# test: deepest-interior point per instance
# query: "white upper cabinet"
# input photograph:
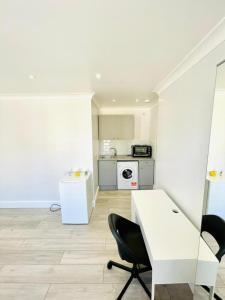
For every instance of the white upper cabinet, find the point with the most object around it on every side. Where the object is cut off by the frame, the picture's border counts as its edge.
(116, 127)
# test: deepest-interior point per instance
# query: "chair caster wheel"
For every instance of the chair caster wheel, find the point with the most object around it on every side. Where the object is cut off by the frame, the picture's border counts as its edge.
(109, 265)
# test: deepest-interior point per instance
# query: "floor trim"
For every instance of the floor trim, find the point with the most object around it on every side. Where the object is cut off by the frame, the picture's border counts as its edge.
(26, 204)
(95, 197)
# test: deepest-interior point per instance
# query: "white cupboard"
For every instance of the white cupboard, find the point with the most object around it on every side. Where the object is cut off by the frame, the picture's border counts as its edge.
(116, 127)
(76, 195)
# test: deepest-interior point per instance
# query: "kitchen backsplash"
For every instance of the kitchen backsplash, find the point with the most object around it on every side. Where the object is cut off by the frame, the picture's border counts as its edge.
(123, 147)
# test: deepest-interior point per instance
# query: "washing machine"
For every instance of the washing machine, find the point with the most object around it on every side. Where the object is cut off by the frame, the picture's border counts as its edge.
(127, 175)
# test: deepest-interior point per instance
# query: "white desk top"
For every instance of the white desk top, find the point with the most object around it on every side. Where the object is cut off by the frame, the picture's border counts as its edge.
(170, 236)
(172, 242)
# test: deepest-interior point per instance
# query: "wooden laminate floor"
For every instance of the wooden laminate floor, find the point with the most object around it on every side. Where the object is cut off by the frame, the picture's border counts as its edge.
(42, 259)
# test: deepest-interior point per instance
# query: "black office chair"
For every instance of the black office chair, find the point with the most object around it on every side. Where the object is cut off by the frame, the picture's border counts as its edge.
(215, 226)
(131, 248)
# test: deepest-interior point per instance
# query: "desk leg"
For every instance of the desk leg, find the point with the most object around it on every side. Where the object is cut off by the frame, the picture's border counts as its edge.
(211, 294)
(153, 291)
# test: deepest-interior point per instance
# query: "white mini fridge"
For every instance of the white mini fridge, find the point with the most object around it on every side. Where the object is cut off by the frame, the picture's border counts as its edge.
(76, 195)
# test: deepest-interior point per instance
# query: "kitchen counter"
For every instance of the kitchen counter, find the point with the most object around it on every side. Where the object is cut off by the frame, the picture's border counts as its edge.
(108, 175)
(122, 157)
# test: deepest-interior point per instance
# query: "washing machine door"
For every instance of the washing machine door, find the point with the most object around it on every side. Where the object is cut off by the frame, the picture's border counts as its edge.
(127, 173)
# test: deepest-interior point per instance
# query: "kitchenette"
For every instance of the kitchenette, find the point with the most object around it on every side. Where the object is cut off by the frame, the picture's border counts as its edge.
(125, 161)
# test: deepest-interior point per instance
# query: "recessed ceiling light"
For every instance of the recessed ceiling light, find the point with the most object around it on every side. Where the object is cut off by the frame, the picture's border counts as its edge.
(113, 100)
(98, 76)
(31, 76)
(147, 100)
(137, 100)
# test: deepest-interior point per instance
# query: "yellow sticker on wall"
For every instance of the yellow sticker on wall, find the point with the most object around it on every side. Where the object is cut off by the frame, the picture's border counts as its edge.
(212, 173)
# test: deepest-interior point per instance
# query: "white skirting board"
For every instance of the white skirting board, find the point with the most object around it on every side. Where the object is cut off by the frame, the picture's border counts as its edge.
(95, 197)
(35, 204)
(27, 204)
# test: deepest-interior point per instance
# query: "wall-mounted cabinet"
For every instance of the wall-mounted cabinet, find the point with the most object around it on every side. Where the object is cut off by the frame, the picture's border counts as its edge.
(116, 127)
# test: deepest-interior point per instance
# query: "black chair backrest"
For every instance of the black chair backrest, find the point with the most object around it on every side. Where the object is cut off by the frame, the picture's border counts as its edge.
(215, 226)
(120, 227)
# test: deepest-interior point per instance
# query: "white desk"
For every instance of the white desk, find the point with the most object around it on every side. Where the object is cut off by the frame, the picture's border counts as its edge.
(172, 242)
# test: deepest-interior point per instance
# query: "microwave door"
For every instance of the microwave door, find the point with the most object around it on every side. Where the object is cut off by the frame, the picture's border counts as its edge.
(140, 151)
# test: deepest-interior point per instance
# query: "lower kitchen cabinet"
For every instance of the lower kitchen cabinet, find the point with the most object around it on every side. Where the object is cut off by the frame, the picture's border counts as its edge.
(107, 175)
(146, 174)
(107, 170)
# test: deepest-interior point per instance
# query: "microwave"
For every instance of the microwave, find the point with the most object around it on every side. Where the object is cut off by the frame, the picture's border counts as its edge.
(141, 151)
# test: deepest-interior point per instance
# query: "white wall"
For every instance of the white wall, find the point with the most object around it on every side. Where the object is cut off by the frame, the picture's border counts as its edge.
(142, 118)
(154, 129)
(95, 144)
(185, 113)
(216, 196)
(216, 159)
(40, 140)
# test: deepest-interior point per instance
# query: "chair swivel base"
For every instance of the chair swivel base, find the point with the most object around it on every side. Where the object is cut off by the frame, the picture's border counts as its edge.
(134, 274)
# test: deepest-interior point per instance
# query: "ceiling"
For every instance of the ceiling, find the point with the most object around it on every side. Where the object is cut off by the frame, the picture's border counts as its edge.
(57, 47)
